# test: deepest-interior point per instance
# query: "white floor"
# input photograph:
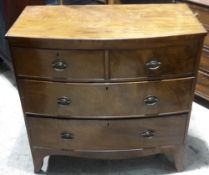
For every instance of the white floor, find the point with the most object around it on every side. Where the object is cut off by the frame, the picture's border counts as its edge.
(15, 157)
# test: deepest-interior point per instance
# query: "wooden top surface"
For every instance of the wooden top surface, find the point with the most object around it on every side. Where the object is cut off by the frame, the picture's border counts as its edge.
(106, 22)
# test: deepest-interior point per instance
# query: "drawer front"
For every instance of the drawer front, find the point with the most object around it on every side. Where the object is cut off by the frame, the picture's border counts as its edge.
(202, 87)
(156, 62)
(59, 64)
(204, 61)
(106, 134)
(98, 100)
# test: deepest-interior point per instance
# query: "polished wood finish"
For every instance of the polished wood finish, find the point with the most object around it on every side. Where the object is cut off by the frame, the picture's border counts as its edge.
(128, 90)
(103, 44)
(174, 61)
(40, 63)
(148, 16)
(106, 100)
(201, 10)
(106, 134)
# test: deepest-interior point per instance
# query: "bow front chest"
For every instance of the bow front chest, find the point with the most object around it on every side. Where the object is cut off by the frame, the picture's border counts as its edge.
(106, 82)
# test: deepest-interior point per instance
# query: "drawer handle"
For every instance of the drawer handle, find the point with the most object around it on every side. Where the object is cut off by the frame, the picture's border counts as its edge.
(153, 64)
(151, 100)
(66, 136)
(148, 133)
(63, 101)
(59, 65)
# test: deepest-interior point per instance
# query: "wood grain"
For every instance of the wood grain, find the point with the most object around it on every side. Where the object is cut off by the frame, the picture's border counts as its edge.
(124, 64)
(106, 134)
(175, 61)
(106, 22)
(38, 63)
(106, 44)
(97, 100)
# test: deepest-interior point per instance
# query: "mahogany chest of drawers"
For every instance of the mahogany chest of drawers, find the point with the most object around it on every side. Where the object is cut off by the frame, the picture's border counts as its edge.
(106, 82)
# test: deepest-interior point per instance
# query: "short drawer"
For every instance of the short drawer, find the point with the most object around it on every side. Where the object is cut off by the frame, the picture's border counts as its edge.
(59, 64)
(202, 87)
(98, 100)
(155, 62)
(106, 134)
(204, 62)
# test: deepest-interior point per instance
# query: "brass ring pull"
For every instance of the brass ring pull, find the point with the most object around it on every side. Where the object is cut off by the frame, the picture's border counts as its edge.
(59, 65)
(151, 100)
(63, 101)
(153, 64)
(66, 135)
(148, 133)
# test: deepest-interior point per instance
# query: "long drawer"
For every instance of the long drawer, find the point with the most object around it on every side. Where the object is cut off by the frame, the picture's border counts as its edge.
(80, 65)
(99, 100)
(155, 62)
(106, 134)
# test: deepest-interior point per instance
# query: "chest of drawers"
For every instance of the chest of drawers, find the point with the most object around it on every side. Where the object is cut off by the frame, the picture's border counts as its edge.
(106, 82)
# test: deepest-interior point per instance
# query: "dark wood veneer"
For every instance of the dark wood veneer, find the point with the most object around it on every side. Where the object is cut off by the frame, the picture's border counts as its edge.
(39, 63)
(174, 60)
(104, 135)
(97, 100)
